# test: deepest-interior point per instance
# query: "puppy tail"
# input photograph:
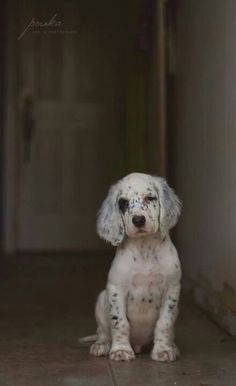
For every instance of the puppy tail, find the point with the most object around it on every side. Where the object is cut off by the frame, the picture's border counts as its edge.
(90, 338)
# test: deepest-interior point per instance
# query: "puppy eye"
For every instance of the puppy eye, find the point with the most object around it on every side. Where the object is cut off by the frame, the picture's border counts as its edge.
(150, 198)
(123, 204)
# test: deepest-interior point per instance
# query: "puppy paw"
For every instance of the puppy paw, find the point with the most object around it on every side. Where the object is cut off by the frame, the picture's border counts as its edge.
(121, 354)
(100, 349)
(165, 354)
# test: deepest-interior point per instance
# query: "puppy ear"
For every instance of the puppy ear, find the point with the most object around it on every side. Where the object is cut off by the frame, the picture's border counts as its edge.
(110, 226)
(169, 205)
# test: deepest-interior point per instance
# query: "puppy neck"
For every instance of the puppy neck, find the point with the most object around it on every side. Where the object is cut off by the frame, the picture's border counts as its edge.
(144, 240)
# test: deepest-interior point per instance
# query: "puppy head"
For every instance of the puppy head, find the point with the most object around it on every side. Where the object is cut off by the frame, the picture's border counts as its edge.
(138, 205)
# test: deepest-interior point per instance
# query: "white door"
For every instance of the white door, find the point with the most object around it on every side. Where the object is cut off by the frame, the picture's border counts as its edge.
(68, 96)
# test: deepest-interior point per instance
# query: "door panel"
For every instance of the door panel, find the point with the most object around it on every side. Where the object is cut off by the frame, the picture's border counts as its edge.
(75, 96)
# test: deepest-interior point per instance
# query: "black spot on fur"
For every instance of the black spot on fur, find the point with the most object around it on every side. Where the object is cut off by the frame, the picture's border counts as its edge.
(120, 230)
(114, 317)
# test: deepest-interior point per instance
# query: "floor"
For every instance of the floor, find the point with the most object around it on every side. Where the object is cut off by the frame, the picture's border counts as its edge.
(46, 303)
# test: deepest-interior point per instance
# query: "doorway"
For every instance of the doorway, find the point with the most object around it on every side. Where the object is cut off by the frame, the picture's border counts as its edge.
(78, 117)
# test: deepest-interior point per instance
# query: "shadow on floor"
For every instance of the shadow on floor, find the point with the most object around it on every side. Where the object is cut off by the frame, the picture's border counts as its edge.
(46, 303)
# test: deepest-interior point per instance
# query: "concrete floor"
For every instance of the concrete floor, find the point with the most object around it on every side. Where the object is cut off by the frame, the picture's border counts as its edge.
(46, 303)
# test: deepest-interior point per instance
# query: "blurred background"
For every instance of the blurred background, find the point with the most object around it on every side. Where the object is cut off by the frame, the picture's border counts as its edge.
(93, 90)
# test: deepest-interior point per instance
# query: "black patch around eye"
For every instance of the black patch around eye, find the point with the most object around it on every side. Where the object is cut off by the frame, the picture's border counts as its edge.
(150, 198)
(123, 204)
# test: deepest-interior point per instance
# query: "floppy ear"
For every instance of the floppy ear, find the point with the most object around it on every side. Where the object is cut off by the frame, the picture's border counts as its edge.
(169, 205)
(110, 226)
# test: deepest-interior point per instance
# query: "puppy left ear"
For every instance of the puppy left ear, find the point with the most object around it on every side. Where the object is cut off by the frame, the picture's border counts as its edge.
(169, 205)
(110, 226)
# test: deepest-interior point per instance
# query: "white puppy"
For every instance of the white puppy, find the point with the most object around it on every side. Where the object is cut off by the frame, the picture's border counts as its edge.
(140, 302)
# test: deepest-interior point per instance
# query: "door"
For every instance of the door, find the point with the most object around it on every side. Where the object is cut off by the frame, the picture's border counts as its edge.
(69, 95)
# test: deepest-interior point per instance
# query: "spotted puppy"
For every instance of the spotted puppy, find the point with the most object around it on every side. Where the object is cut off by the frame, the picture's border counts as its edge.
(140, 302)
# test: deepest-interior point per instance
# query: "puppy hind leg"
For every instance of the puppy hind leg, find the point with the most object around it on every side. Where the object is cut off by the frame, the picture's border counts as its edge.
(102, 345)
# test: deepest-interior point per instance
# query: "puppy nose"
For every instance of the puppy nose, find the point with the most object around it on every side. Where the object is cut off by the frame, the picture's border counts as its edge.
(138, 221)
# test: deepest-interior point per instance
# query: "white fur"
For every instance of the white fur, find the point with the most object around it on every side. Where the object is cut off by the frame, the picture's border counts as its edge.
(140, 302)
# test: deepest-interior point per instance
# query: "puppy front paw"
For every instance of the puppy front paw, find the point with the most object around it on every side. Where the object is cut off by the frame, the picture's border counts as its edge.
(165, 353)
(100, 348)
(122, 353)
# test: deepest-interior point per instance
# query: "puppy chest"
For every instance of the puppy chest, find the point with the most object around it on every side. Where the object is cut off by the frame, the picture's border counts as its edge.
(146, 288)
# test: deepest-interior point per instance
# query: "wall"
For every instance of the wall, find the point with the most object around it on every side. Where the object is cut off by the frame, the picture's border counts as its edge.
(2, 96)
(203, 153)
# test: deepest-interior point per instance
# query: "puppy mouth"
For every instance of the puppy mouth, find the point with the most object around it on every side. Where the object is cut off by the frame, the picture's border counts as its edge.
(141, 231)
(137, 232)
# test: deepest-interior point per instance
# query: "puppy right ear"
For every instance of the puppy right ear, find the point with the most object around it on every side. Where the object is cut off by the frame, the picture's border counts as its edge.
(110, 226)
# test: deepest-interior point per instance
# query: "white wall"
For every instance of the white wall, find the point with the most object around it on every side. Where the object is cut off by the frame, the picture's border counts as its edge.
(204, 152)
